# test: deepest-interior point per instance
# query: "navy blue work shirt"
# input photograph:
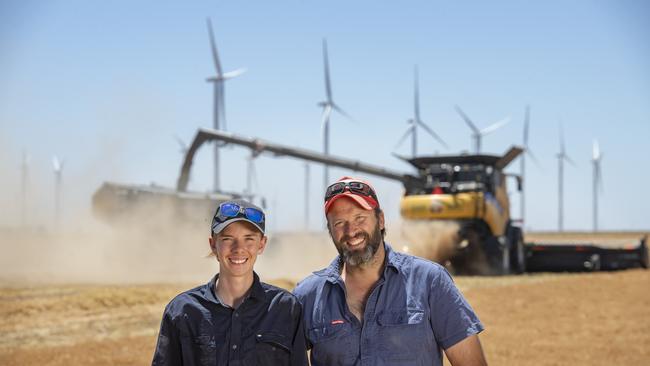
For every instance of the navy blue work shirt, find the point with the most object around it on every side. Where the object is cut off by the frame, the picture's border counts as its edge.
(412, 314)
(266, 329)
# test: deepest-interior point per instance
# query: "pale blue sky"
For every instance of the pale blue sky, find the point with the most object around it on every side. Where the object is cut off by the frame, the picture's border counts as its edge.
(108, 84)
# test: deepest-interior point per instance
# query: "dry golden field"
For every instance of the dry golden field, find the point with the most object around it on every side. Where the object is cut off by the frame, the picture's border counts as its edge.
(542, 319)
(95, 298)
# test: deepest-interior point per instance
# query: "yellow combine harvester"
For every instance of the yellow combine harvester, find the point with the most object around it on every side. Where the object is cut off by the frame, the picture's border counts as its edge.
(466, 190)
(469, 190)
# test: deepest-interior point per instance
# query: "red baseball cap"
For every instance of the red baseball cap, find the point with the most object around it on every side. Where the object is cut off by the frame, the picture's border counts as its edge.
(358, 190)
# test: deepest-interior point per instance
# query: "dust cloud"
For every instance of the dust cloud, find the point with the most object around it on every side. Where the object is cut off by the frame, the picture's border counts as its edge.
(435, 241)
(146, 245)
(153, 244)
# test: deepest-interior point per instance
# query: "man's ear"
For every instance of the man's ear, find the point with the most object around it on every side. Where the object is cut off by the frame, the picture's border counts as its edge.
(213, 245)
(329, 230)
(262, 246)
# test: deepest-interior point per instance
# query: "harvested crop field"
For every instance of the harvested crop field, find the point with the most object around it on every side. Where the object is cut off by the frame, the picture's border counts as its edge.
(541, 319)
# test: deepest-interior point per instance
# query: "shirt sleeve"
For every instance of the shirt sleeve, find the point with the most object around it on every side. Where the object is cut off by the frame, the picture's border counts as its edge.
(168, 347)
(299, 348)
(452, 318)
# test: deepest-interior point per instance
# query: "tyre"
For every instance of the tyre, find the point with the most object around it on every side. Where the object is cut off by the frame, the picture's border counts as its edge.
(519, 255)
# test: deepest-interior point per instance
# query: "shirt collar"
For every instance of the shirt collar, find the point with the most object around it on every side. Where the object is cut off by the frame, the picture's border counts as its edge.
(256, 292)
(333, 272)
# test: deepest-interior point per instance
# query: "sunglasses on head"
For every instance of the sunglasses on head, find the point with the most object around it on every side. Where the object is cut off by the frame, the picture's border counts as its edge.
(229, 210)
(355, 187)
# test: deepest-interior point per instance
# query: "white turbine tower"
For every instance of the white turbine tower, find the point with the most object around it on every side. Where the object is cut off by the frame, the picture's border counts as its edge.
(561, 157)
(57, 166)
(416, 121)
(528, 152)
(477, 134)
(219, 112)
(328, 105)
(597, 179)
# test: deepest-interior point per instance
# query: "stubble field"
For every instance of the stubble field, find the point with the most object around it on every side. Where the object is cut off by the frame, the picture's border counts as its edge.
(543, 319)
(537, 319)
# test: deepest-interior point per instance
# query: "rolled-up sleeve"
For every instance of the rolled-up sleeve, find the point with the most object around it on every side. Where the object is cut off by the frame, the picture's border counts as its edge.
(452, 318)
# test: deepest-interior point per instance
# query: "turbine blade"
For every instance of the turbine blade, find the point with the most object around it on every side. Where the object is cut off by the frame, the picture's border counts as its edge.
(326, 65)
(416, 94)
(213, 46)
(569, 160)
(56, 164)
(234, 73)
(181, 143)
(342, 112)
(532, 157)
(595, 151)
(430, 131)
(467, 120)
(327, 110)
(406, 134)
(495, 126)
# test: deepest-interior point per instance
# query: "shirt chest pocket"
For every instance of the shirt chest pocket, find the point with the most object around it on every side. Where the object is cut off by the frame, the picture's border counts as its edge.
(333, 344)
(404, 333)
(269, 349)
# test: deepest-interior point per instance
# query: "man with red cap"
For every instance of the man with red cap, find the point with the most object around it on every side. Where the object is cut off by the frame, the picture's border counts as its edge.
(374, 306)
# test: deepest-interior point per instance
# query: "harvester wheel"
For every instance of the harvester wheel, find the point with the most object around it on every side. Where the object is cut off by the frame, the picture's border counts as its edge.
(520, 255)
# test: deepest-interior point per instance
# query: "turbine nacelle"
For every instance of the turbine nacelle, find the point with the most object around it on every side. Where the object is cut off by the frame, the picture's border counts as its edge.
(477, 133)
(411, 129)
(57, 165)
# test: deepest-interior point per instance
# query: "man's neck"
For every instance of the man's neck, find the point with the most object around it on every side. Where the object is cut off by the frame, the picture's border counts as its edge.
(233, 290)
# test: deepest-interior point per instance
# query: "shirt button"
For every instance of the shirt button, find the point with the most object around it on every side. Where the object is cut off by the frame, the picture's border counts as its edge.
(236, 315)
(234, 346)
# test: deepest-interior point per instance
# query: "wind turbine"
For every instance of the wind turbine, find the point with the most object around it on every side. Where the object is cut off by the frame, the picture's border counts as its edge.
(561, 157)
(57, 166)
(597, 179)
(219, 112)
(328, 105)
(528, 152)
(477, 133)
(416, 121)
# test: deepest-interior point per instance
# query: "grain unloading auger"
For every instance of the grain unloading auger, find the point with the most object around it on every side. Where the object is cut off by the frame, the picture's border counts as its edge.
(468, 190)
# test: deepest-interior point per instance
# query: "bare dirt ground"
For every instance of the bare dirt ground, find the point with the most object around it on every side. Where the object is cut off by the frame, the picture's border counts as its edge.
(542, 319)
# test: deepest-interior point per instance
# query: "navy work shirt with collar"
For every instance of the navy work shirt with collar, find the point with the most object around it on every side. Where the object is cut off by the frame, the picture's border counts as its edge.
(412, 314)
(266, 329)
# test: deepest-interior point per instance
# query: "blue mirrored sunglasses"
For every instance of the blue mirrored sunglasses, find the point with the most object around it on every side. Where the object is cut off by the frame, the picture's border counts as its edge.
(229, 210)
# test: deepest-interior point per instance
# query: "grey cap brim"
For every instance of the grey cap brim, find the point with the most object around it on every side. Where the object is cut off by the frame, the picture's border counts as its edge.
(219, 227)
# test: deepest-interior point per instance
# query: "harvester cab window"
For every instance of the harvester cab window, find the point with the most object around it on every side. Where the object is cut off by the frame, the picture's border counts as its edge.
(471, 177)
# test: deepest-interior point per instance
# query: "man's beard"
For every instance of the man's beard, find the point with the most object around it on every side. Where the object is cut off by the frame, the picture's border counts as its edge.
(365, 255)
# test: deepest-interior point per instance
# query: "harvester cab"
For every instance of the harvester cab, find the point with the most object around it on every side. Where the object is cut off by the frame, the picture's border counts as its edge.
(469, 190)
